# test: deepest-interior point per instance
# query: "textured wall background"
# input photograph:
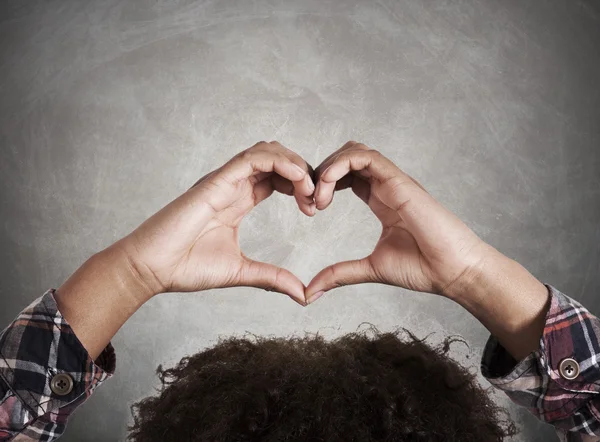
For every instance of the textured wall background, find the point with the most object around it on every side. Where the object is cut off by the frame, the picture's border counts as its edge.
(108, 110)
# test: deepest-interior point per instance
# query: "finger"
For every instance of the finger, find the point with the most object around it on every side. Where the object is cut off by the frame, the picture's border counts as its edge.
(311, 172)
(359, 186)
(371, 161)
(324, 194)
(306, 204)
(265, 189)
(343, 273)
(305, 187)
(327, 161)
(282, 185)
(274, 183)
(261, 176)
(322, 188)
(271, 278)
(344, 183)
(378, 166)
(327, 188)
(253, 162)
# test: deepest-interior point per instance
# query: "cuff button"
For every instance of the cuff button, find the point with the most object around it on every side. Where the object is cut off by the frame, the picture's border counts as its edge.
(568, 369)
(61, 384)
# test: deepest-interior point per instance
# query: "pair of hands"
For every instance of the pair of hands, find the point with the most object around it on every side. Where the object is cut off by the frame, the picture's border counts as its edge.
(192, 243)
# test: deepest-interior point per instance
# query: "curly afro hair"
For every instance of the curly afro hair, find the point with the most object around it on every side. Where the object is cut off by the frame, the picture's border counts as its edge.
(360, 387)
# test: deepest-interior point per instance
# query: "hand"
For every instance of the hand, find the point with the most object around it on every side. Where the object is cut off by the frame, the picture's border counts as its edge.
(423, 246)
(192, 243)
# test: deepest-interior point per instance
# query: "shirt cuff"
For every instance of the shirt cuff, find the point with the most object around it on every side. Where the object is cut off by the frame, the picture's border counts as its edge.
(38, 346)
(570, 332)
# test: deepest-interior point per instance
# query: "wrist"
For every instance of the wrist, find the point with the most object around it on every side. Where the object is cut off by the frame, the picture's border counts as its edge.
(477, 277)
(493, 277)
(100, 297)
(134, 282)
(508, 300)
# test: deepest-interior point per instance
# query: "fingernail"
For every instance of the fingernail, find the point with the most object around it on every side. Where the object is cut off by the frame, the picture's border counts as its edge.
(311, 185)
(302, 303)
(301, 170)
(314, 297)
(312, 208)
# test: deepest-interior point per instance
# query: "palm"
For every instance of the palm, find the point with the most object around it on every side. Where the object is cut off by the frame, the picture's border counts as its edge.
(186, 237)
(423, 262)
(397, 258)
(399, 261)
(217, 253)
(216, 249)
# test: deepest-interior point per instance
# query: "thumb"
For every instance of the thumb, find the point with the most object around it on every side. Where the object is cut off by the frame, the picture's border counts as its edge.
(342, 273)
(271, 278)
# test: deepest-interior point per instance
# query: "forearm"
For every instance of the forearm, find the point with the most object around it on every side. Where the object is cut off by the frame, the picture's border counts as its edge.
(509, 301)
(100, 296)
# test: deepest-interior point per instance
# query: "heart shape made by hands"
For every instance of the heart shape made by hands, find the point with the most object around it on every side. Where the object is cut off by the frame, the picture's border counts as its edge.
(192, 244)
(306, 245)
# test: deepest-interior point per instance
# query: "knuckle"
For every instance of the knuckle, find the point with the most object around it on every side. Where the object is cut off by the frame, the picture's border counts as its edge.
(258, 147)
(349, 145)
(280, 157)
(277, 157)
(361, 146)
(300, 164)
(296, 158)
(374, 155)
(400, 191)
(275, 146)
(337, 281)
(247, 155)
(342, 156)
(277, 276)
(271, 286)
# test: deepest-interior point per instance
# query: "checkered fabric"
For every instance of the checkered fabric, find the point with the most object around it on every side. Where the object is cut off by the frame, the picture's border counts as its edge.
(572, 406)
(40, 344)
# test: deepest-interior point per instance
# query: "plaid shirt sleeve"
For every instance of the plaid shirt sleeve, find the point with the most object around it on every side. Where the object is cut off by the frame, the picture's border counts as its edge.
(572, 406)
(36, 347)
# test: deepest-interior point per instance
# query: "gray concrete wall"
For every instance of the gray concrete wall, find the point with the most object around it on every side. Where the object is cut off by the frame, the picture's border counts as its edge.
(110, 109)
